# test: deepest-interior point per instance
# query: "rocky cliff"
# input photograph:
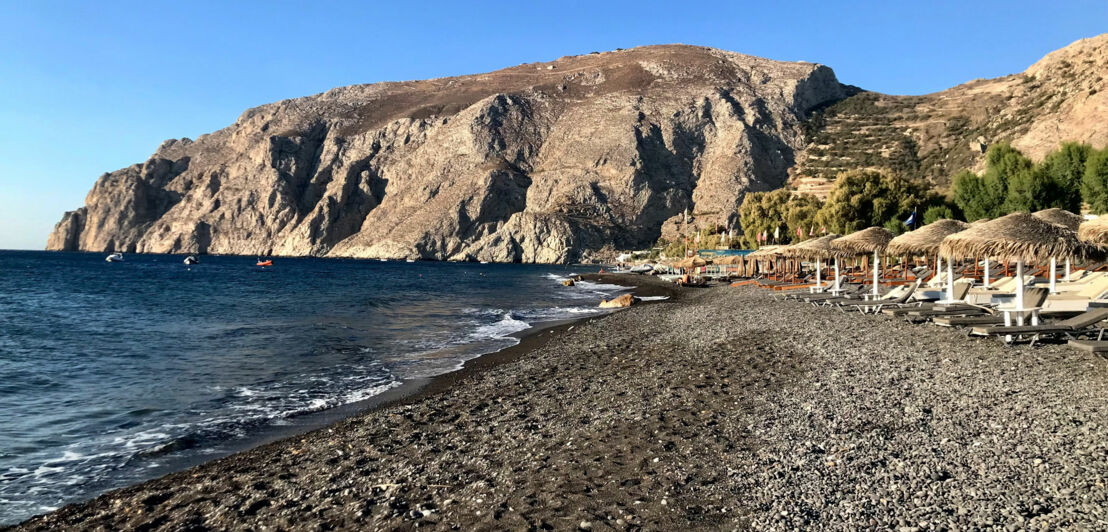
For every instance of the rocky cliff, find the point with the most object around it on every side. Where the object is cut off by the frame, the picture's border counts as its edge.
(543, 162)
(1062, 97)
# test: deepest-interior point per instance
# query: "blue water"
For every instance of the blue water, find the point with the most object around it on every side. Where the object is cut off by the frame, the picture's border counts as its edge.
(111, 371)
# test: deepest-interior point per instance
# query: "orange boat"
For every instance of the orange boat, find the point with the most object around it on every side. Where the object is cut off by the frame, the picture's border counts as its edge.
(264, 263)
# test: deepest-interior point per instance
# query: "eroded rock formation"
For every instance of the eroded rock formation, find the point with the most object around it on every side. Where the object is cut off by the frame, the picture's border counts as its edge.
(544, 162)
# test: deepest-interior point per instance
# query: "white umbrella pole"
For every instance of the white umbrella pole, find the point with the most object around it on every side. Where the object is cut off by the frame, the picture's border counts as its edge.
(949, 281)
(1067, 269)
(819, 282)
(1019, 287)
(876, 271)
(1053, 276)
(986, 273)
(837, 274)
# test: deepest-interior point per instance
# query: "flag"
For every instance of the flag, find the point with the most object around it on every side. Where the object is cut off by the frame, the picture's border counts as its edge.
(823, 231)
(777, 233)
(812, 231)
(799, 233)
(911, 219)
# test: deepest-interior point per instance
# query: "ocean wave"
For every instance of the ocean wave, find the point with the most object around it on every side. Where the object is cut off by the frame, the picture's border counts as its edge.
(507, 326)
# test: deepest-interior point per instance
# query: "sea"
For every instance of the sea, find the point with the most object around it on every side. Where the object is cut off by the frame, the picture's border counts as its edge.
(112, 373)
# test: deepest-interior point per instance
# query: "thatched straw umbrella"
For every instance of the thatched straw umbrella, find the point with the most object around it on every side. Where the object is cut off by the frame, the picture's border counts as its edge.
(1018, 237)
(870, 240)
(926, 241)
(765, 253)
(815, 249)
(1065, 219)
(1094, 231)
(691, 262)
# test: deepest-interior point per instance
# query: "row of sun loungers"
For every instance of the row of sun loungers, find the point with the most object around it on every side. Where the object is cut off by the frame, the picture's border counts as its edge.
(1070, 313)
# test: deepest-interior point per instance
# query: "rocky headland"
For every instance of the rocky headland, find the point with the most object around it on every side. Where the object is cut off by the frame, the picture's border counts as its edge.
(544, 162)
(562, 161)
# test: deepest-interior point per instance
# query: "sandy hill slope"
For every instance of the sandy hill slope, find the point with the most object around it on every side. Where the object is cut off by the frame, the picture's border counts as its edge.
(542, 162)
(1061, 97)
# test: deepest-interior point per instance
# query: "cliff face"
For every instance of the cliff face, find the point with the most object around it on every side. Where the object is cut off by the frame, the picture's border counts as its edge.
(1062, 97)
(544, 162)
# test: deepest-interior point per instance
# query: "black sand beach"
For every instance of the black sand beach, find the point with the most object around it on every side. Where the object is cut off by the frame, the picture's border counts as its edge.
(718, 409)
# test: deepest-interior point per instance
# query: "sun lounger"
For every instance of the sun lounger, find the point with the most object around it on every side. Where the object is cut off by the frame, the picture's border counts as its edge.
(1093, 289)
(896, 296)
(1032, 297)
(961, 287)
(1085, 322)
(1092, 346)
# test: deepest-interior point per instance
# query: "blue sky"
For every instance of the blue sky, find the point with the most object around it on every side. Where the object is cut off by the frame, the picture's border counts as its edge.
(90, 87)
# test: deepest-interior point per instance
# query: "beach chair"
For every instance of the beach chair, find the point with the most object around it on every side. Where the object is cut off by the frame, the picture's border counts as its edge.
(1032, 297)
(1084, 323)
(847, 291)
(1093, 289)
(897, 296)
(1099, 347)
(961, 287)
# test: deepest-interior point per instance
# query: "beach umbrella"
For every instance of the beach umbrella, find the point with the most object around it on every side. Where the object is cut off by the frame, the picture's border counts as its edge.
(1094, 231)
(766, 252)
(1018, 237)
(979, 222)
(926, 241)
(815, 249)
(1093, 235)
(692, 262)
(1065, 219)
(870, 240)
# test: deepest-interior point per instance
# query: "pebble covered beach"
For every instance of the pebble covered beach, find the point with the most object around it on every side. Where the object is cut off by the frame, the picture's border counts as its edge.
(719, 408)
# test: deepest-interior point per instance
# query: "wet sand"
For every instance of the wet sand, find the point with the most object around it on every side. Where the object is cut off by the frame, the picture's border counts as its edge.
(718, 409)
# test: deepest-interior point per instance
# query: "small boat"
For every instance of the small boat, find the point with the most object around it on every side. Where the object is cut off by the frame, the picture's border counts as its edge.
(191, 259)
(645, 268)
(411, 260)
(267, 262)
(115, 257)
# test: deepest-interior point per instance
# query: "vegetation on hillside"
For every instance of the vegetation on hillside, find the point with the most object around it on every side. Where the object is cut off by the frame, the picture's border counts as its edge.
(1011, 182)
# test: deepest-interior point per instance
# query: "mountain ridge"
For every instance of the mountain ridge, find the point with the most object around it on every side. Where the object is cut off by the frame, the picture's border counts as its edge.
(556, 161)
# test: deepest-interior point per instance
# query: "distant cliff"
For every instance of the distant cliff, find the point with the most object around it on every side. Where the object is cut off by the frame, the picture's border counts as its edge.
(544, 162)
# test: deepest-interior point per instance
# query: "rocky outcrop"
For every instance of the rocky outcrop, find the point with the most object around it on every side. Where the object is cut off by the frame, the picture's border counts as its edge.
(623, 301)
(1062, 97)
(547, 162)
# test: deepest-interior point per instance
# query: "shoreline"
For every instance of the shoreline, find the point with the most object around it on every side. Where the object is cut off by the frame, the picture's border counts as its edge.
(408, 391)
(724, 409)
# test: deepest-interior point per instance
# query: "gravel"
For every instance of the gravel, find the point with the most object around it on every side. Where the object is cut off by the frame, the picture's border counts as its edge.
(719, 409)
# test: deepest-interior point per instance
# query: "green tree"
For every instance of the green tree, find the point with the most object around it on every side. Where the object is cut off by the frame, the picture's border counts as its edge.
(1002, 161)
(800, 214)
(896, 226)
(1066, 167)
(937, 212)
(865, 198)
(1032, 189)
(986, 196)
(968, 190)
(762, 211)
(1094, 185)
(779, 210)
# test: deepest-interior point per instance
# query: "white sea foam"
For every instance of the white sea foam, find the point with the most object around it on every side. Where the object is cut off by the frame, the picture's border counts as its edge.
(505, 327)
